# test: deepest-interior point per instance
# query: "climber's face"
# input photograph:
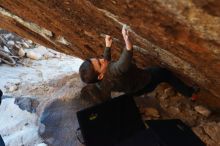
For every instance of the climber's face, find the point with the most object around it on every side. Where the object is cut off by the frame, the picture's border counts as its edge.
(99, 65)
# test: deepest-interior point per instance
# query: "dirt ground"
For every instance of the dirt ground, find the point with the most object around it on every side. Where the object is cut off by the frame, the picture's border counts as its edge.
(60, 100)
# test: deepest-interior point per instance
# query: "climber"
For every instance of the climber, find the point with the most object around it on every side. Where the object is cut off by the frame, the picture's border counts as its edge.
(103, 75)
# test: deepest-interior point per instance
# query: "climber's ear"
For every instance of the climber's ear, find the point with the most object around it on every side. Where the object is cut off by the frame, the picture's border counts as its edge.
(100, 76)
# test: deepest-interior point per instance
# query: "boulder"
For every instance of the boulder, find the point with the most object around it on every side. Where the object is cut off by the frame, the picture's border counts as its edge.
(172, 34)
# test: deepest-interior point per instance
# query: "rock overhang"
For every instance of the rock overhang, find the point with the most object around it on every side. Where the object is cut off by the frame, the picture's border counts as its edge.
(183, 36)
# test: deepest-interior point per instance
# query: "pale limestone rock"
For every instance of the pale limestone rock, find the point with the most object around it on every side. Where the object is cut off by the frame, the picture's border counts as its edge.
(209, 133)
(168, 92)
(33, 55)
(202, 110)
(199, 131)
(8, 36)
(11, 43)
(21, 52)
(11, 88)
(213, 130)
(25, 45)
(149, 113)
(30, 41)
(6, 49)
(42, 48)
(174, 110)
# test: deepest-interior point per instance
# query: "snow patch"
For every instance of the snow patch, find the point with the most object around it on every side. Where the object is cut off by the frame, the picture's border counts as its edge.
(17, 127)
(39, 70)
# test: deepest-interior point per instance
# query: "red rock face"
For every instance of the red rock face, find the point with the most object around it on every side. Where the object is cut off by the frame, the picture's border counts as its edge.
(183, 36)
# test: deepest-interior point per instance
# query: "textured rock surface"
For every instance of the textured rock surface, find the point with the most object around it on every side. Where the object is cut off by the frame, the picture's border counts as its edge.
(180, 107)
(181, 35)
(26, 103)
(59, 103)
(56, 101)
(59, 123)
(209, 133)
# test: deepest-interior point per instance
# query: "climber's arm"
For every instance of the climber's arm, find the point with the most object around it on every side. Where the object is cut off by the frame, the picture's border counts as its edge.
(123, 64)
(108, 44)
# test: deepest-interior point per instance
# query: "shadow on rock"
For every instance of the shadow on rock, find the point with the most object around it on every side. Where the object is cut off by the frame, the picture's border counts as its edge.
(27, 103)
(59, 122)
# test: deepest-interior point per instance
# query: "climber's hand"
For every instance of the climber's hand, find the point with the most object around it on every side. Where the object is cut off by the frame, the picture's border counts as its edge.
(125, 32)
(108, 41)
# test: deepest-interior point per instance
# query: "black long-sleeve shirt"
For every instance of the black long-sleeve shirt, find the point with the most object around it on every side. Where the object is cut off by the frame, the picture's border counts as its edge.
(121, 76)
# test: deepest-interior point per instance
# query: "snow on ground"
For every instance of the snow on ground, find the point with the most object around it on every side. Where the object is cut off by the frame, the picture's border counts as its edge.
(38, 70)
(19, 127)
